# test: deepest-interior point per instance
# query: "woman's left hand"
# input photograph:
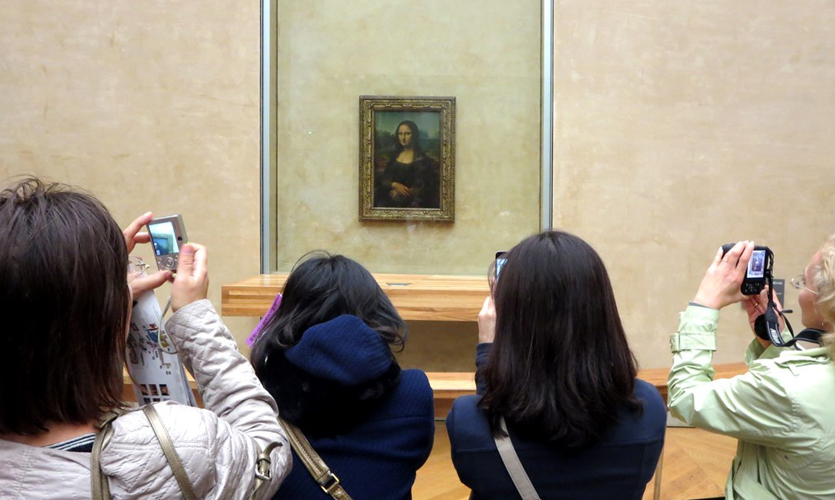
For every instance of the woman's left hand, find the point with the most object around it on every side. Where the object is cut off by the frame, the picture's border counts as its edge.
(755, 306)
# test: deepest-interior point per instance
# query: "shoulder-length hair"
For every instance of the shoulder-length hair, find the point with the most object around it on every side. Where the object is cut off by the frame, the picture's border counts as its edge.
(320, 288)
(560, 365)
(64, 301)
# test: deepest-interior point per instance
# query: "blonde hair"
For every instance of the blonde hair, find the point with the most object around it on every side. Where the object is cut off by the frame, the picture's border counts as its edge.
(824, 281)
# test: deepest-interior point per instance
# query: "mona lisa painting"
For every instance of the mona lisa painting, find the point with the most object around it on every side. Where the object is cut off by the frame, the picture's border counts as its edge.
(407, 158)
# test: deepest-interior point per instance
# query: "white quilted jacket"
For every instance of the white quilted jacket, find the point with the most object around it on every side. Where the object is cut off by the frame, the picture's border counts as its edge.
(217, 445)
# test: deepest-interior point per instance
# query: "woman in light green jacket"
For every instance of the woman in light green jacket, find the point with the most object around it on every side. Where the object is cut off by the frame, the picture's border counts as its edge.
(783, 410)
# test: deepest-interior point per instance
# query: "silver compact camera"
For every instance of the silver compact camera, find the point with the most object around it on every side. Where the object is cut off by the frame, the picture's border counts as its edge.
(168, 235)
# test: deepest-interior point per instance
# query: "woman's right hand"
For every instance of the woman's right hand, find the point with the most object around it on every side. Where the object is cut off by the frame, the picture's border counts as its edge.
(723, 279)
(487, 321)
(399, 190)
(191, 283)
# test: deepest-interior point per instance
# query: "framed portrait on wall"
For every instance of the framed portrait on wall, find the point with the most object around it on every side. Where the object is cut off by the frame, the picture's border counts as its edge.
(407, 158)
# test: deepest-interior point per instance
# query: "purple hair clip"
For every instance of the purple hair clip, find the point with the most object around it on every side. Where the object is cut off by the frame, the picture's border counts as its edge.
(257, 331)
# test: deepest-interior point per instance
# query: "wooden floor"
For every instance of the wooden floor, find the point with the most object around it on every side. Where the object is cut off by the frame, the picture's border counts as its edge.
(696, 464)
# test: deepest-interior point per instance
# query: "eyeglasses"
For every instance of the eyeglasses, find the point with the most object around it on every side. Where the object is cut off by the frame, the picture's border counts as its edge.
(136, 268)
(799, 282)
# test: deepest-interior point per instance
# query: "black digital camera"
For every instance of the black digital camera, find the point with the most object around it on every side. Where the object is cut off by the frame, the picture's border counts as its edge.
(759, 269)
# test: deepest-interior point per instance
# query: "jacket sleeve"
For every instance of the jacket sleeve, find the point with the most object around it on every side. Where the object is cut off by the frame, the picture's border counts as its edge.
(482, 356)
(230, 389)
(754, 407)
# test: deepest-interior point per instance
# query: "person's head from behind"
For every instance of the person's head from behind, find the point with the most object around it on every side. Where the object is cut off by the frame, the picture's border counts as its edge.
(64, 301)
(320, 288)
(817, 295)
(560, 361)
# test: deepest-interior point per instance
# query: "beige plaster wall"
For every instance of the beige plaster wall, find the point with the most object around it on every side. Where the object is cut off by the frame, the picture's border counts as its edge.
(485, 54)
(676, 125)
(151, 105)
(685, 125)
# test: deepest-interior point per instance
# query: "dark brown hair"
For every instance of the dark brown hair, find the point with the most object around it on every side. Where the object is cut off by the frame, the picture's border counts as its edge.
(560, 365)
(64, 303)
(321, 287)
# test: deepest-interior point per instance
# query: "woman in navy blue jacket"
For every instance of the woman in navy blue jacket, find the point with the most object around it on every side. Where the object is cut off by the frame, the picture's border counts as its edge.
(326, 358)
(554, 363)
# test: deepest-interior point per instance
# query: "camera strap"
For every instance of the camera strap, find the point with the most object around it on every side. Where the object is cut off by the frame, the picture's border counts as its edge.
(811, 335)
(770, 322)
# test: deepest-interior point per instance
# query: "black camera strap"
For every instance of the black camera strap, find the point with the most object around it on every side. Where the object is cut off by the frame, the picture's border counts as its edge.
(811, 335)
(767, 326)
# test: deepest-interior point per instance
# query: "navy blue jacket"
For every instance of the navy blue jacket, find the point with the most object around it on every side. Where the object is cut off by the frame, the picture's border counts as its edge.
(618, 467)
(371, 423)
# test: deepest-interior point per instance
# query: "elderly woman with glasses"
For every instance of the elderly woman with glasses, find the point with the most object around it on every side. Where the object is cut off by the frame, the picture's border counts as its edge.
(782, 409)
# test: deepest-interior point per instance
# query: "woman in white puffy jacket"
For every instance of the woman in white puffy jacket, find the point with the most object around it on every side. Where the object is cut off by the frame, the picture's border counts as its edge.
(65, 305)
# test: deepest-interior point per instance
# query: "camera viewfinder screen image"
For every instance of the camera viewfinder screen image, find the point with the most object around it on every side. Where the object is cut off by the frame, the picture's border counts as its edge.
(164, 238)
(500, 262)
(756, 266)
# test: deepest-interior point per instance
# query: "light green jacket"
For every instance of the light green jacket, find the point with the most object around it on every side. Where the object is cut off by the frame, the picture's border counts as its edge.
(782, 411)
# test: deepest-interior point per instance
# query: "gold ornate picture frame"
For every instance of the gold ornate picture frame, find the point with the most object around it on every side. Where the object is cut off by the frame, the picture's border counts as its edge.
(407, 158)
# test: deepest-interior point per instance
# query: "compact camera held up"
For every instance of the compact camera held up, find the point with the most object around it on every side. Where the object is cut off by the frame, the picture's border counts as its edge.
(168, 234)
(766, 326)
(759, 271)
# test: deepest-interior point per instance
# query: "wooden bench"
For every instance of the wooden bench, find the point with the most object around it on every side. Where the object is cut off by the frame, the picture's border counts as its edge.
(447, 386)
(417, 297)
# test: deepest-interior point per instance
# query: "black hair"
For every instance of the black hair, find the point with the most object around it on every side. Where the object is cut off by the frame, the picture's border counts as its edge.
(560, 364)
(321, 287)
(65, 302)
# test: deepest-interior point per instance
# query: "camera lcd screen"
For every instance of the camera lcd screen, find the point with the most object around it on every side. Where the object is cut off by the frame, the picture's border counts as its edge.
(756, 266)
(500, 262)
(164, 238)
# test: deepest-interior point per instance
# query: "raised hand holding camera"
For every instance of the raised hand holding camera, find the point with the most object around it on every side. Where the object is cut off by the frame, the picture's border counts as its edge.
(759, 270)
(192, 282)
(743, 270)
(722, 282)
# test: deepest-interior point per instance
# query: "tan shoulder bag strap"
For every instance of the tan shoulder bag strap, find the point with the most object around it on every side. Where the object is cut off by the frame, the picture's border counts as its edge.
(100, 488)
(263, 473)
(513, 465)
(314, 464)
(170, 453)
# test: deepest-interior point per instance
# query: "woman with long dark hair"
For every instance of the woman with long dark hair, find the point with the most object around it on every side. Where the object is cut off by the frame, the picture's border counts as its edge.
(326, 357)
(555, 372)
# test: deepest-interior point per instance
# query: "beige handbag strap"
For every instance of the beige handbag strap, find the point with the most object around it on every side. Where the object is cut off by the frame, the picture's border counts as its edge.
(170, 453)
(513, 465)
(101, 490)
(314, 464)
(263, 473)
